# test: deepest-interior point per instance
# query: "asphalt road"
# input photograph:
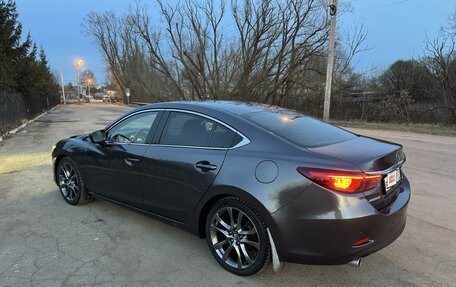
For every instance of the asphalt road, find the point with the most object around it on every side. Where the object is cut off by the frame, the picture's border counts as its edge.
(46, 242)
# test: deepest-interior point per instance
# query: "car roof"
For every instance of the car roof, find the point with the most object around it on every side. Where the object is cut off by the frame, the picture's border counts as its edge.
(233, 107)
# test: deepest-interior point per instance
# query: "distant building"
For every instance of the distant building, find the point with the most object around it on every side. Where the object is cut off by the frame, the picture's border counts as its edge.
(98, 96)
(112, 95)
(363, 96)
(71, 94)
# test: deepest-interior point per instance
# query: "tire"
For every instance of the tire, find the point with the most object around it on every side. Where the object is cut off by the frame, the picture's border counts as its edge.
(71, 184)
(243, 250)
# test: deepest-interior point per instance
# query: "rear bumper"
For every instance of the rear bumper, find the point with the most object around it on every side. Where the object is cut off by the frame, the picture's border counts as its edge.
(324, 232)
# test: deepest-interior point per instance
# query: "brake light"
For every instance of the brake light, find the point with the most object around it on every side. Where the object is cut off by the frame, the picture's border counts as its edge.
(342, 181)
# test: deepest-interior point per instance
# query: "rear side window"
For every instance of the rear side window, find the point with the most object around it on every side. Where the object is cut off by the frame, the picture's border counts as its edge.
(299, 129)
(185, 129)
(221, 137)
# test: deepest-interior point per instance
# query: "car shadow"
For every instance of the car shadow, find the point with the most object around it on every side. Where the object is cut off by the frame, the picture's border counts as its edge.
(103, 239)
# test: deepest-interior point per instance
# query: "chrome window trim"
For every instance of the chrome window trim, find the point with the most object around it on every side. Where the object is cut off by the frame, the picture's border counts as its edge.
(189, 146)
(119, 143)
(245, 140)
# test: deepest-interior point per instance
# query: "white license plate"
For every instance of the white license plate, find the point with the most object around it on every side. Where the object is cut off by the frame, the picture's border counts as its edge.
(392, 178)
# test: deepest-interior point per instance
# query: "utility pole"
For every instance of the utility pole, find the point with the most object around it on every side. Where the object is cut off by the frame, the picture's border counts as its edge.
(77, 82)
(329, 68)
(63, 87)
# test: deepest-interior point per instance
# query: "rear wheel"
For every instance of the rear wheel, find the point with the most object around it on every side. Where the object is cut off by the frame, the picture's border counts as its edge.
(237, 237)
(70, 182)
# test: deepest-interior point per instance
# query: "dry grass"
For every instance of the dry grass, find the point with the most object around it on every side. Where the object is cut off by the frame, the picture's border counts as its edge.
(17, 162)
(434, 129)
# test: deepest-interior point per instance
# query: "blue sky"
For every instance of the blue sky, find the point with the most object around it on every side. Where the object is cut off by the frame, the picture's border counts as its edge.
(396, 29)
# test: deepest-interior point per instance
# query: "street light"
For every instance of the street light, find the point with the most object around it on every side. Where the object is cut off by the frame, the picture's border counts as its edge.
(78, 63)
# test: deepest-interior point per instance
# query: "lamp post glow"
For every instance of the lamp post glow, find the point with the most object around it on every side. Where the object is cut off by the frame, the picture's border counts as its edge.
(78, 63)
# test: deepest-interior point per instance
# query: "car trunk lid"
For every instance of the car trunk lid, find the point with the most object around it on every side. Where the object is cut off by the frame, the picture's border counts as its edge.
(368, 154)
(372, 156)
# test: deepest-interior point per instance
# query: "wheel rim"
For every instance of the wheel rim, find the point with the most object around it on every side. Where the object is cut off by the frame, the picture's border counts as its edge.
(68, 182)
(234, 238)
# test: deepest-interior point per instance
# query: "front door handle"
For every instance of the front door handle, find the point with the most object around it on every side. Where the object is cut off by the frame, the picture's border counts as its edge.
(131, 160)
(205, 165)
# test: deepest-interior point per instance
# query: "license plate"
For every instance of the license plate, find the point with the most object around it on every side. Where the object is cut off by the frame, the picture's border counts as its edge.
(392, 178)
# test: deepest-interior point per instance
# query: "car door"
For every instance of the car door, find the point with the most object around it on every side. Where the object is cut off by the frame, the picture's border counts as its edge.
(113, 169)
(183, 162)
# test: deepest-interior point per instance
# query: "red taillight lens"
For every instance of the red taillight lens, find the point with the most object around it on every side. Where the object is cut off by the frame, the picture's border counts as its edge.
(371, 181)
(361, 242)
(342, 181)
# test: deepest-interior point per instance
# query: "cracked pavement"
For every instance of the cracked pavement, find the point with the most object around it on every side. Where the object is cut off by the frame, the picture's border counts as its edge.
(46, 242)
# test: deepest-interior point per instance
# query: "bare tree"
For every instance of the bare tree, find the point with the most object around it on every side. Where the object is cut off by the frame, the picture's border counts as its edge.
(440, 61)
(124, 54)
(271, 51)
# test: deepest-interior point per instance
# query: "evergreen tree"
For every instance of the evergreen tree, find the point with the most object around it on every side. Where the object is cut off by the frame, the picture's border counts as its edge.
(20, 69)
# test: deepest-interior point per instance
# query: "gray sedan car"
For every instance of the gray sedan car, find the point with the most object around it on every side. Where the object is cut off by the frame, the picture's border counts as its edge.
(259, 182)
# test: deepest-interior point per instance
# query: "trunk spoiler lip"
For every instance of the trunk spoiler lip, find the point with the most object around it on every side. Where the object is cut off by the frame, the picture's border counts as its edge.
(388, 170)
(382, 140)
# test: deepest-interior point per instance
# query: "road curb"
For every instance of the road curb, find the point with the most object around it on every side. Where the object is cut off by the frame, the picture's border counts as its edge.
(13, 131)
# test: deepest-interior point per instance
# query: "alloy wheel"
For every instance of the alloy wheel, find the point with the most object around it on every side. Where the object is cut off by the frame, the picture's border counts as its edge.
(69, 182)
(234, 237)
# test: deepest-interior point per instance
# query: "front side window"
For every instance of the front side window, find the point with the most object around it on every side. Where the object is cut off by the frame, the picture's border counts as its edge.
(184, 129)
(134, 129)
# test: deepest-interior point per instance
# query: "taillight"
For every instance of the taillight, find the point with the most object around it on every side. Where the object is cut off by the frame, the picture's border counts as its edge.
(342, 181)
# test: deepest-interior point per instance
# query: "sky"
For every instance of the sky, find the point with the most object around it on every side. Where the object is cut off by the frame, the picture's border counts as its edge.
(396, 29)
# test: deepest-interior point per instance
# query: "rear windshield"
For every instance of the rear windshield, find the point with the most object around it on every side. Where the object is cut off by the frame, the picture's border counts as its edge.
(299, 129)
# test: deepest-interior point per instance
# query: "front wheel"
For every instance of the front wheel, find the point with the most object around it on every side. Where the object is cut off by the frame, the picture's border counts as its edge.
(71, 184)
(237, 237)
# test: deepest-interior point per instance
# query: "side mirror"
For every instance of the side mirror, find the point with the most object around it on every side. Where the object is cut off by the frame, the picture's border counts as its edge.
(98, 136)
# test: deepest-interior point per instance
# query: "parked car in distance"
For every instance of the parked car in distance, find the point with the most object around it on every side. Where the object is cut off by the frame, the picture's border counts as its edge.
(109, 99)
(106, 99)
(258, 182)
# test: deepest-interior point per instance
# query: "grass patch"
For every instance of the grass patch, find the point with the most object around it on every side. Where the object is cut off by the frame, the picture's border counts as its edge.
(433, 129)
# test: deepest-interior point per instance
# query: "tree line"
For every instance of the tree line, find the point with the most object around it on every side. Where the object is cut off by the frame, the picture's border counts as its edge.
(421, 89)
(24, 69)
(260, 51)
(270, 51)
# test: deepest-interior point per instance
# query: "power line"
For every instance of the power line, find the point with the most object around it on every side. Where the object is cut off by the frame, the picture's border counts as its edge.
(383, 5)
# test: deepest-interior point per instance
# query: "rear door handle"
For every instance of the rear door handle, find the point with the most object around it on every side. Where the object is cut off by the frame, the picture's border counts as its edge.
(131, 160)
(205, 166)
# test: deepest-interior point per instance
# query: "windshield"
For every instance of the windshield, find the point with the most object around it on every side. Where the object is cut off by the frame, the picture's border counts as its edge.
(299, 129)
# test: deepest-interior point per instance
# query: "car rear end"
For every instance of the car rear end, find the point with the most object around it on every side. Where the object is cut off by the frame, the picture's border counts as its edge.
(327, 225)
(345, 213)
